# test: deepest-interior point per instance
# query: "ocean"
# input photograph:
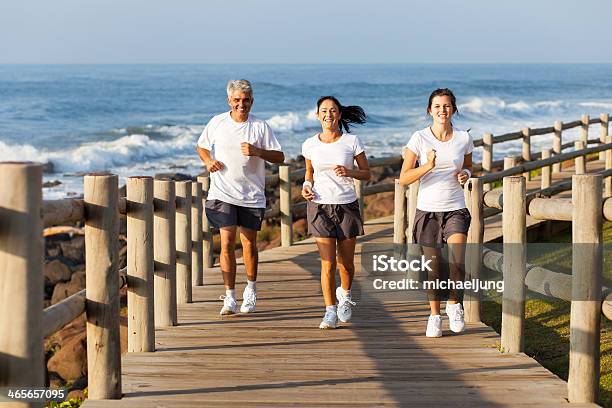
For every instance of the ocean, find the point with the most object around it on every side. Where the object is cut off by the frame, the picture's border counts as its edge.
(145, 119)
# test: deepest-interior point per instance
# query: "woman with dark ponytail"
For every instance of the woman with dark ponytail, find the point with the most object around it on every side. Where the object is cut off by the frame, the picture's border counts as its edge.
(333, 214)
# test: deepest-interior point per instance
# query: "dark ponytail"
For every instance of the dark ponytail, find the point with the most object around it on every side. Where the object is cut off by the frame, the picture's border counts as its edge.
(349, 114)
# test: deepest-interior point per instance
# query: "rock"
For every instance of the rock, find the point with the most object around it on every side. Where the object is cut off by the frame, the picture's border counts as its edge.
(173, 176)
(122, 261)
(379, 205)
(56, 271)
(70, 361)
(55, 381)
(64, 289)
(53, 183)
(74, 249)
(300, 228)
(76, 394)
(80, 384)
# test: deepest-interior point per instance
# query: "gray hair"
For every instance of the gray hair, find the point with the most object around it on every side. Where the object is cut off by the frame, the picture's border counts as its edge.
(241, 85)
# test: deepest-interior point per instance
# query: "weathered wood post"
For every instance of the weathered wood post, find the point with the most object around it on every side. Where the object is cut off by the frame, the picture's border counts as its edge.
(608, 180)
(413, 194)
(140, 264)
(546, 170)
(557, 142)
(399, 216)
(473, 258)
(183, 242)
(21, 277)
(526, 150)
(579, 162)
(197, 265)
(285, 206)
(102, 283)
(509, 162)
(603, 132)
(583, 378)
(207, 233)
(515, 264)
(584, 129)
(164, 250)
(359, 184)
(487, 156)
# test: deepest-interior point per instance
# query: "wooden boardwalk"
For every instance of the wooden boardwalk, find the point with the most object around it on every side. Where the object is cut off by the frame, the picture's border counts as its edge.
(278, 356)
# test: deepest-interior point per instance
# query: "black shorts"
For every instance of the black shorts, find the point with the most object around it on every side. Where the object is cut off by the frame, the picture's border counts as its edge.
(340, 221)
(434, 228)
(221, 214)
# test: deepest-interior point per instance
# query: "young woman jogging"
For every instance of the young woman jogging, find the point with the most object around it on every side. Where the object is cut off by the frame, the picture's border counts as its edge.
(444, 154)
(333, 214)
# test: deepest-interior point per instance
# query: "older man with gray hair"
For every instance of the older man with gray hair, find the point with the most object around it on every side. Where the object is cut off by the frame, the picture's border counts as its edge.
(234, 146)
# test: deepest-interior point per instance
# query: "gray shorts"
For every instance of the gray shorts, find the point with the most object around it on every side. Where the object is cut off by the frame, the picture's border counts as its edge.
(340, 221)
(434, 228)
(221, 214)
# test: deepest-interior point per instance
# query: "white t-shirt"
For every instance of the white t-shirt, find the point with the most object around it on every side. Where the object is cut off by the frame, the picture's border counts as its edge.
(439, 189)
(327, 187)
(243, 179)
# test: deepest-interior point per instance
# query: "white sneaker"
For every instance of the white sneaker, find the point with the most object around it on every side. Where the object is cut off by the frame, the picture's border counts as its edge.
(330, 320)
(345, 305)
(229, 305)
(249, 299)
(455, 317)
(434, 326)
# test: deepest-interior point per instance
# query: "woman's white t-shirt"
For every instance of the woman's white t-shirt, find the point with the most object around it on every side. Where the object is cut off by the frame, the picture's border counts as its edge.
(439, 189)
(328, 188)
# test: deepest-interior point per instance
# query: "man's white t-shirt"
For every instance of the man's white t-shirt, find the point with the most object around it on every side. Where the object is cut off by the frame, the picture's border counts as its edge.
(328, 188)
(439, 189)
(243, 179)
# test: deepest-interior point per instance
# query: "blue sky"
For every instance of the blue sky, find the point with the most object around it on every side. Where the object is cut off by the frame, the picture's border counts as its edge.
(335, 31)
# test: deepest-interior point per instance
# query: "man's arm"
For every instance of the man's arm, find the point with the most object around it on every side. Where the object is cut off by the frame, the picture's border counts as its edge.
(272, 156)
(211, 164)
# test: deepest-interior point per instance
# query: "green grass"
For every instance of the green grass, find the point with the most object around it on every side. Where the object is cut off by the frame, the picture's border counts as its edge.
(547, 322)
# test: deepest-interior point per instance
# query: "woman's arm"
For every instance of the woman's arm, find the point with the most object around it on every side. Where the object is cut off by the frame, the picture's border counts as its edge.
(308, 182)
(362, 174)
(463, 176)
(409, 174)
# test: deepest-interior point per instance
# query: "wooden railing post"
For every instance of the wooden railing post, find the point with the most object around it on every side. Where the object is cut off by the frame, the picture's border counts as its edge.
(608, 180)
(487, 156)
(583, 378)
(579, 162)
(473, 258)
(509, 162)
(603, 132)
(183, 242)
(546, 170)
(557, 142)
(515, 264)
(526, 150)
(207, 234)
(21, 277)
(413, 193)
(359, 184)
(197, 266)
(102, 283)
(164, 239)
(399, 215)
(139, 209)
(285, 206)
(584, 129)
